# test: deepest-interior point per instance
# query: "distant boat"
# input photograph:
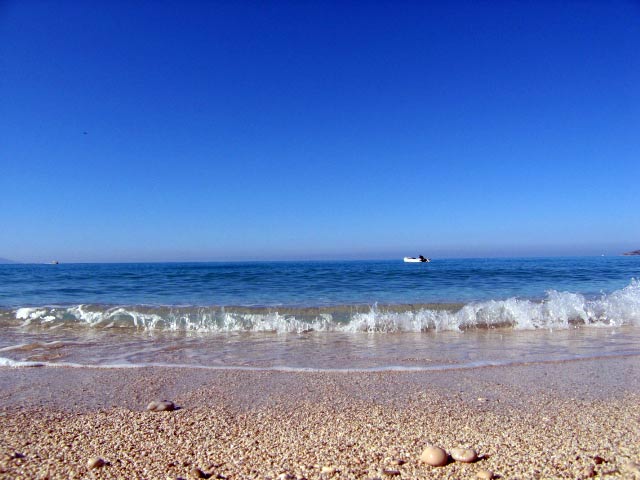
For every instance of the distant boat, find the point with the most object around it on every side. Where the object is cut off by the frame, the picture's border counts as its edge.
(54, 262)
(419, 259)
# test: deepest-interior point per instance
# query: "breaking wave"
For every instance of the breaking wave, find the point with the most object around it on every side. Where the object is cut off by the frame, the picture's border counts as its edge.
(558, 310)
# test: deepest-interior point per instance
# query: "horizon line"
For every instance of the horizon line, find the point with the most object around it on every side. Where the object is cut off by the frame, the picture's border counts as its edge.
(297, 260)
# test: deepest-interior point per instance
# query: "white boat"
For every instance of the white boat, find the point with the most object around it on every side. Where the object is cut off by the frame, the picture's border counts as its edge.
(419, 259)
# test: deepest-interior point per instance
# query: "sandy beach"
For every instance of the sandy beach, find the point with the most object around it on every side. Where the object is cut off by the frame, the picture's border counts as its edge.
(575, 419)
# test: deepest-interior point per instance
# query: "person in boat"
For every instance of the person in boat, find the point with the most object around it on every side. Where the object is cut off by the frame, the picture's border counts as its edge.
(422, 259)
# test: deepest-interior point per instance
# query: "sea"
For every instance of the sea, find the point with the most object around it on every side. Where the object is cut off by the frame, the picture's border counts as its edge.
(320, 315)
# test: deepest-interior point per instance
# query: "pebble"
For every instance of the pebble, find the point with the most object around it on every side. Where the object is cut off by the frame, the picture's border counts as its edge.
(633, 468)
(390, 472)
(598, 460)
(466, 455)
(328, 470)
(484, 474)
(161, 406)
(95, 462)
(285, 476)
(197, 473)
(434, 456)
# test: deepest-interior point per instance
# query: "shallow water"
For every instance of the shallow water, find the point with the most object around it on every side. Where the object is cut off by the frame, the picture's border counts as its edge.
(321, 315)
(316, 351)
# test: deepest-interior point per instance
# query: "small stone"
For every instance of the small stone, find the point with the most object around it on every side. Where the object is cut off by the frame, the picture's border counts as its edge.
(632, 467)
(434, 456)
(95, 462)
(484, 474)
(398, 461)
(328, 470)
(390, 472)
(466, 455)
(598, 460)
(285, 476)
(197, 473)
(161, 406)
(483, 399)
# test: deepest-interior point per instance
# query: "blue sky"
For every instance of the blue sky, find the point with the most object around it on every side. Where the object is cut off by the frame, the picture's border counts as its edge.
(257, 130)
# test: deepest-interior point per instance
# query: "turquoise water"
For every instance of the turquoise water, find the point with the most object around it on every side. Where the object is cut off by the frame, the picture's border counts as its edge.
(450, 313)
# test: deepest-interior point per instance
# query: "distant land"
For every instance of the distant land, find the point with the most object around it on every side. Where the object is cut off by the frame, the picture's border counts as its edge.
(634, 252)
(6, 260)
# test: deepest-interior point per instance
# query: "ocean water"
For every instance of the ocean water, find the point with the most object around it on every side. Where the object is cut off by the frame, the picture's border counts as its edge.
(357, 315)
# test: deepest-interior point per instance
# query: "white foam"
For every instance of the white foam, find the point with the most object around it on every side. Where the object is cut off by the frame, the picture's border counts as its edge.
(7, 362)
(29, 314)
(559, 310)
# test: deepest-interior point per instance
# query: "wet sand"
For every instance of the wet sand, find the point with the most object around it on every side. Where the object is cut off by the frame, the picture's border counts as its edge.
(577, 419)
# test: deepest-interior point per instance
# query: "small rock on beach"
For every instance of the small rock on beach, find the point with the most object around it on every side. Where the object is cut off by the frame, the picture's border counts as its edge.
(161, 406)
(484, 474)
(632, 468)
(198, 473)
(466, 455)
(434, 456)
(95, 462)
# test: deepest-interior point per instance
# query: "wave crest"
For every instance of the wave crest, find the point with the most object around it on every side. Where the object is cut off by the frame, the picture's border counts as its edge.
(558, 310)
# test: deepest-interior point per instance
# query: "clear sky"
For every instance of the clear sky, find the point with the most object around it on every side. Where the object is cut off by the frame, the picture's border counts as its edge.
(153, 131)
